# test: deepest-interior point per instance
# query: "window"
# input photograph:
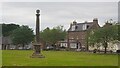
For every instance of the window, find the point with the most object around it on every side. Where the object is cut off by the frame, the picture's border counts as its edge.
(76, 27)
(73, 28)
(87, 26)
(72, 45)
(84, 27)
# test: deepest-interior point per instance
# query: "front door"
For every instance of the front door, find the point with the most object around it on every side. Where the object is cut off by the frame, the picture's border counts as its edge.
(78, 45)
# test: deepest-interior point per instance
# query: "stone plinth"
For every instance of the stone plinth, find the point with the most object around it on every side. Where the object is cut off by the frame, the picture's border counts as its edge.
(37, 51)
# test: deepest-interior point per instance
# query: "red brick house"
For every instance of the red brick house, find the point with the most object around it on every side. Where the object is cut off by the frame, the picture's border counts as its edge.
(77, 34)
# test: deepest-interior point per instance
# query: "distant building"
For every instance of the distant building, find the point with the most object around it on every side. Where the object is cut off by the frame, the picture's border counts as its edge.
(5, 43)
(77, 34)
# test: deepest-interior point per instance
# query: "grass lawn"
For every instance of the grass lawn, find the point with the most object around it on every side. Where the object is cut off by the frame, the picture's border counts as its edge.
(0, 58)
(57, 58)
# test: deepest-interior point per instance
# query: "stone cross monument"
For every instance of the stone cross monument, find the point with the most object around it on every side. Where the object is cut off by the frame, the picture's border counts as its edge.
(37, 45)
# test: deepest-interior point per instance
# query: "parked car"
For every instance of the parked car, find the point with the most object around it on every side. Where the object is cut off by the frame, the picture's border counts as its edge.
(118, 51)
(49, 48)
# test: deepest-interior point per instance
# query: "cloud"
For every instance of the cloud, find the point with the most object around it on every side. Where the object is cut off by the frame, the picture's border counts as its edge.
(58, 13)
(60, 0)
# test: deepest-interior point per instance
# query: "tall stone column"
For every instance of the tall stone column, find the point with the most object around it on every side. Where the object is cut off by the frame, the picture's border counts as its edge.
(37, 45)
(37, 27)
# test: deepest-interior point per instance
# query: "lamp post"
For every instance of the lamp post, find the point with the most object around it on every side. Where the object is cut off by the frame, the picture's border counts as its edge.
(37, 45)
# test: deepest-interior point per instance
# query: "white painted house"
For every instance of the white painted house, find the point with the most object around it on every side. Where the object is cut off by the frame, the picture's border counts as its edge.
(111, 47)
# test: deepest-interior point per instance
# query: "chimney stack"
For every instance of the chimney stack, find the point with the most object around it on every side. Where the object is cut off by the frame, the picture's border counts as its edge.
(74, 22)
(95, 21)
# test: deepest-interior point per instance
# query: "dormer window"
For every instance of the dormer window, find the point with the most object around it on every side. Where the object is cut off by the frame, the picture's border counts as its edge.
(73, 27)
(87, 26)
(74, 22)
(76, 27)
(84, 27)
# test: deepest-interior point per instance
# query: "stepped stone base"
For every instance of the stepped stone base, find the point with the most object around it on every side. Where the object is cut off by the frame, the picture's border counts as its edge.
(37, 51)
(37, 56)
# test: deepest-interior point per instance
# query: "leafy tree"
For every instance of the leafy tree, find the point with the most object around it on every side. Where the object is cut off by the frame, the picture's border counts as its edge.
(0, 29)
(45, 34)
(119, 32)
(23, 35)
(8, 28)
(52, 36)
(104, 35)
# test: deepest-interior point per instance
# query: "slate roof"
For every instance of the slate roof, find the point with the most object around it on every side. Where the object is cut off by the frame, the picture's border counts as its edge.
(80, 26)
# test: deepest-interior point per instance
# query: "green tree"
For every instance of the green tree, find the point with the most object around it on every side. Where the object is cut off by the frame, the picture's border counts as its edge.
(8, 28)
(119, 32)
(23, 35)
(104, 35)
(52, 36)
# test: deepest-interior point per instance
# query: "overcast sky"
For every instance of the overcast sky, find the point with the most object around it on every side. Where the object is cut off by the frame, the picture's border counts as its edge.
(58, 13)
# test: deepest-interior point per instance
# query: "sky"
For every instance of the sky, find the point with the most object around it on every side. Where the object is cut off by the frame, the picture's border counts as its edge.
(58, 13)
(59, 0)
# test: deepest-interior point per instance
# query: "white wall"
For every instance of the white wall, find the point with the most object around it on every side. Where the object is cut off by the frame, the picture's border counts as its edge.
(0, 47)
(73, 45)
(63, 44)
(84, 26)
(111, 46)
(73, 27)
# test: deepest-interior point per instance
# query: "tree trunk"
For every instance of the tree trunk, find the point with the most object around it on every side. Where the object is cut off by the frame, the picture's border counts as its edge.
(105, 47)
(5, 47)
(57, 47)
(16, 48)
(68, 45)
(23, 46)
(105, 50)
(87, 48)
(8, 47)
